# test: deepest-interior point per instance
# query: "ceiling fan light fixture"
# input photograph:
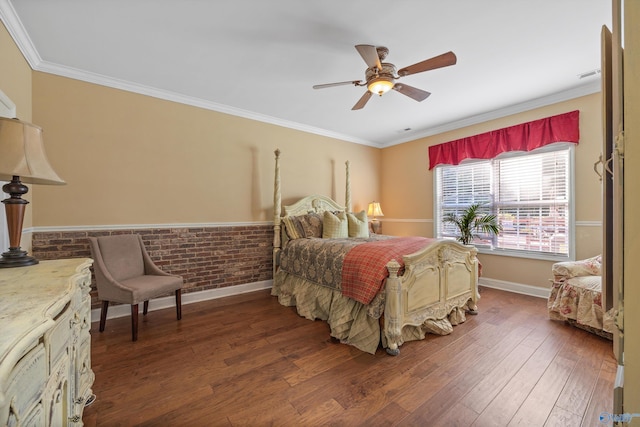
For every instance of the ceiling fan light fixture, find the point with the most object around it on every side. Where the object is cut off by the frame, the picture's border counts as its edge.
(380, 85)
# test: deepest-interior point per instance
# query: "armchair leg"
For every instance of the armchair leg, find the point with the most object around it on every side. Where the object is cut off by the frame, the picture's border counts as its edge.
(134, 322)
(103, 315)
(178, 304)
(145, 308)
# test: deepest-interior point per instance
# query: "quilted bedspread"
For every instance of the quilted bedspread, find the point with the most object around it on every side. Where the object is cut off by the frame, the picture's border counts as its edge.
(355, 266)
(364, 267)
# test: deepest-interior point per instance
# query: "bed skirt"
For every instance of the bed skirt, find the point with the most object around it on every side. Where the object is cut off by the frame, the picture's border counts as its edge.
(350, 321)
(579, 302)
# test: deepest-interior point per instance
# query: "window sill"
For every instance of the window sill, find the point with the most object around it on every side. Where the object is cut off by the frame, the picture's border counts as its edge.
(523, 254)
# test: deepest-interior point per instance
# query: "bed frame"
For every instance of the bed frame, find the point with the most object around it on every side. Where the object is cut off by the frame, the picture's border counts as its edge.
(439, 284)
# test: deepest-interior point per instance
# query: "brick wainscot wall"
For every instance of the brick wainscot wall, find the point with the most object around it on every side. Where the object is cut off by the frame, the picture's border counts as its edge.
(206, 257)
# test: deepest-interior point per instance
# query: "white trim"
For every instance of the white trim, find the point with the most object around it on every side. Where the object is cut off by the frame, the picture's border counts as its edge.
(572, 201)
(209, 105)
(99, 79)
(123, 310)
(588, 223)
(578, 223)
(49, 229)
(7, 107)
(562, 147)
(19, 34)
(7, 110)
(576, 92)
(518, 288)
(428, 221)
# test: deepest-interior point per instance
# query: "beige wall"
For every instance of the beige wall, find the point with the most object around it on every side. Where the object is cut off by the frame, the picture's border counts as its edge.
(134, 159)
(15, 82)
(631, 208)
(407, 189)
(15, 75)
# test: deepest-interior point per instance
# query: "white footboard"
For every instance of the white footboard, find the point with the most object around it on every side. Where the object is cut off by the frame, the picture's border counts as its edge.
(439, 284)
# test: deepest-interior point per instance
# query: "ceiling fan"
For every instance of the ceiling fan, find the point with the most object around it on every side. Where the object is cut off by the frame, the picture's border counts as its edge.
(380, 77)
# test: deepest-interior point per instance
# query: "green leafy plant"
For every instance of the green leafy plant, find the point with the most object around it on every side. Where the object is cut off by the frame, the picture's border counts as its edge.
(470, 222)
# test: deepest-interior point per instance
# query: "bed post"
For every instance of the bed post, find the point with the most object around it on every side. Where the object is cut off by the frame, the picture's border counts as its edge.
(347, 193)
(393, 309)
(277, 203)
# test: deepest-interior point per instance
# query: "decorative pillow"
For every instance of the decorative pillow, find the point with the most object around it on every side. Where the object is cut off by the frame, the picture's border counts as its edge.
(311, 224)
(302, 226)
(585, 267)
(335, 225)
(290, 226)
(358, 224)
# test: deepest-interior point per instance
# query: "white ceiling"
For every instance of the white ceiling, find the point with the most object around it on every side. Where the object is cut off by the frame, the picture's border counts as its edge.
(260, 58)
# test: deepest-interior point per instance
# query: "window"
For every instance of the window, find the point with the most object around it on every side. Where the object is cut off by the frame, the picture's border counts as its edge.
(530, 193)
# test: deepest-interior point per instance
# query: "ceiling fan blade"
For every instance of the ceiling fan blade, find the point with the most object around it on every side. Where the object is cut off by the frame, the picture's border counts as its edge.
(362, 101)
(370, 55)
(439, 61)
(353, 82)
(412, 92)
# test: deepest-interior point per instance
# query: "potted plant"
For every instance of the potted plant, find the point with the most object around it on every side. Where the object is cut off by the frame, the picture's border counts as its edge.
(471, 222)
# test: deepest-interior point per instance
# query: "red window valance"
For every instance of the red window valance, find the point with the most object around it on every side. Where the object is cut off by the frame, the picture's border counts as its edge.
(522, 137)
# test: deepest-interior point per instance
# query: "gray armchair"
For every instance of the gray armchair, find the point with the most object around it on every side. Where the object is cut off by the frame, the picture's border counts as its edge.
(126, 274)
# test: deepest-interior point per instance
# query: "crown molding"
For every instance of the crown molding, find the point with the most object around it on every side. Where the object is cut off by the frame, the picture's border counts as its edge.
(89, 77)
(576, 92)
(19, 34)
(76, 74)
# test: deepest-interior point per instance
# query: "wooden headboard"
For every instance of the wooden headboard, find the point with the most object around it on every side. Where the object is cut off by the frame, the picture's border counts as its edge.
(314, 203)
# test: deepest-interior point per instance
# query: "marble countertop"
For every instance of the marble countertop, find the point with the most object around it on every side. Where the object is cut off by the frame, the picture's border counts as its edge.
(30, 297)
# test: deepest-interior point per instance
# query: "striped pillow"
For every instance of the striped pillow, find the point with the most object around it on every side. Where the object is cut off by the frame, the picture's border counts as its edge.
(291, 227)
(301, 226)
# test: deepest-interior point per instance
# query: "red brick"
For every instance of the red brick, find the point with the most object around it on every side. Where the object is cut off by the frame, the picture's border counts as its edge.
(206, 257)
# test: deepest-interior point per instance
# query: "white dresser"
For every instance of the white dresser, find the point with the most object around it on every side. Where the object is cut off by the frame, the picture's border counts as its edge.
(45, 345)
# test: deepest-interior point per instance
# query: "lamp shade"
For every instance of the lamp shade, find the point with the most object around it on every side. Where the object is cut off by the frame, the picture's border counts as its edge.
(374, 210)
(22, 154)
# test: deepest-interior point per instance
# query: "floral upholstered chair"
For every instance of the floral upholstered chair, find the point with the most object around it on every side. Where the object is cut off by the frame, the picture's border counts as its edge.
(576, 296)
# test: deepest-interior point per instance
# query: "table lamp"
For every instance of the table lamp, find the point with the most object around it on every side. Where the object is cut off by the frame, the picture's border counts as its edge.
(22, 160)
(374, 211)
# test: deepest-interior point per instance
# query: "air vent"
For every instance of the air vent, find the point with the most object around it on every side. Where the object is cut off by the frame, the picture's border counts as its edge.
(589, 73)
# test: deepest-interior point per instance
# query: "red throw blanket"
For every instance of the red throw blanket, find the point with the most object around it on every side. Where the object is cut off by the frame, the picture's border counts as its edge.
(364, 267)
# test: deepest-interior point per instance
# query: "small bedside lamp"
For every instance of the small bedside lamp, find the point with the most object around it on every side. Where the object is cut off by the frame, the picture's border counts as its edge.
(373, 212)
(22, 159)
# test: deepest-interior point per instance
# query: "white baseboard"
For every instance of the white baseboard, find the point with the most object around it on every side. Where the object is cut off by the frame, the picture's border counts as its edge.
(518, 288)
(123, 310)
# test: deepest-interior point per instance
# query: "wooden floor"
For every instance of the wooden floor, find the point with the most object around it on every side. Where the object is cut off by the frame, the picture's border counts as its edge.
(247, 361)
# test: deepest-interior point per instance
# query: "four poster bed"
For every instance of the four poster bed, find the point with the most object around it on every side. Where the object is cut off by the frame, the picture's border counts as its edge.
(371, 289)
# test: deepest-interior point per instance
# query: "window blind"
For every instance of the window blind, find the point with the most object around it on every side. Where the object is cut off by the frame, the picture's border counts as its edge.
(529, 193)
